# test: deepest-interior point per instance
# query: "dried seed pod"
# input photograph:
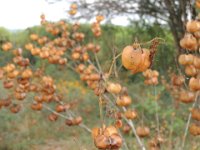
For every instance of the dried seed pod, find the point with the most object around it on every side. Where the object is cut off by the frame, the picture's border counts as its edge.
(142, 131)
(186, 59)
(131, 114)
(177, 80)
(193, 26)
(189, 42)
(37, 106)
(126, 128)
(8, 84)
(115, 141)
(123, 101)
(135, 58)
(60, 108)
(114, 88)
(194, 129)
(195, 114)
(20, 96)
(53, 117)
(15, 108)
(186, 96)
(190, 70)
(194, 84)
(102, 142)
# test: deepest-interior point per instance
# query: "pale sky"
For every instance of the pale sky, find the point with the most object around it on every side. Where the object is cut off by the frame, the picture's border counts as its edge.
(20, 14)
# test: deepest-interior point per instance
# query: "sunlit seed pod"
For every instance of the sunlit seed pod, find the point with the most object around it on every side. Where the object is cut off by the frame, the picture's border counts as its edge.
(9, 68)
(6, 46)
(60, 108)
(115, 141)
(189, 42)
(123, 101)
(99, 18)
(77, 120)
(44, 54)
(90, 46)
(95, 132)
(27, 73)
(190, 70)
(47, 80)
(73, 6)
(85, 56)
(185, 59)
(34, 37)
(17, 59)
(108, 131)
(13, 74)
(35, 51)
(29, 46)
(142, 131)
(95, 77)
(72, 11)
(194, 84)
(102, 142)
(114, 88)
(131, 114)
(80, 68)
(197, 34)
(197, 3)
(75, 55)
(62, 61)
(193, 26)
(17, 52)
(196, 62)
(135, 58)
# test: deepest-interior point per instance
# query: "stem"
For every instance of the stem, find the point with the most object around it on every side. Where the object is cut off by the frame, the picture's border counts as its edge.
(97, 61)
(113, 62)
(134, 131)
(157, 115)
(188, 121)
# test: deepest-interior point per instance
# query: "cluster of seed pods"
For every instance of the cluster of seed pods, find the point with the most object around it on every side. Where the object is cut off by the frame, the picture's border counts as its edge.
(151, 77)
(65, 46)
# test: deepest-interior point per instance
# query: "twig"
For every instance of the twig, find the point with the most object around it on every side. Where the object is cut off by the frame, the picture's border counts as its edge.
(157, 115)
(134, 131)
(65, 117)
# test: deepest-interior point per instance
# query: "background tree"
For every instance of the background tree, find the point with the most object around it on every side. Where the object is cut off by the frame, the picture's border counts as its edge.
(174, 13)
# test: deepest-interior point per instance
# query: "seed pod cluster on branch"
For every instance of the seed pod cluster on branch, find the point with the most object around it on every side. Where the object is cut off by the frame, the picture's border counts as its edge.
(65, 47)
(151, 77)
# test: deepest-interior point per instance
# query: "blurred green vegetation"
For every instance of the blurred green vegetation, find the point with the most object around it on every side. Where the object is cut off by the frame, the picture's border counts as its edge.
(29, 130)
